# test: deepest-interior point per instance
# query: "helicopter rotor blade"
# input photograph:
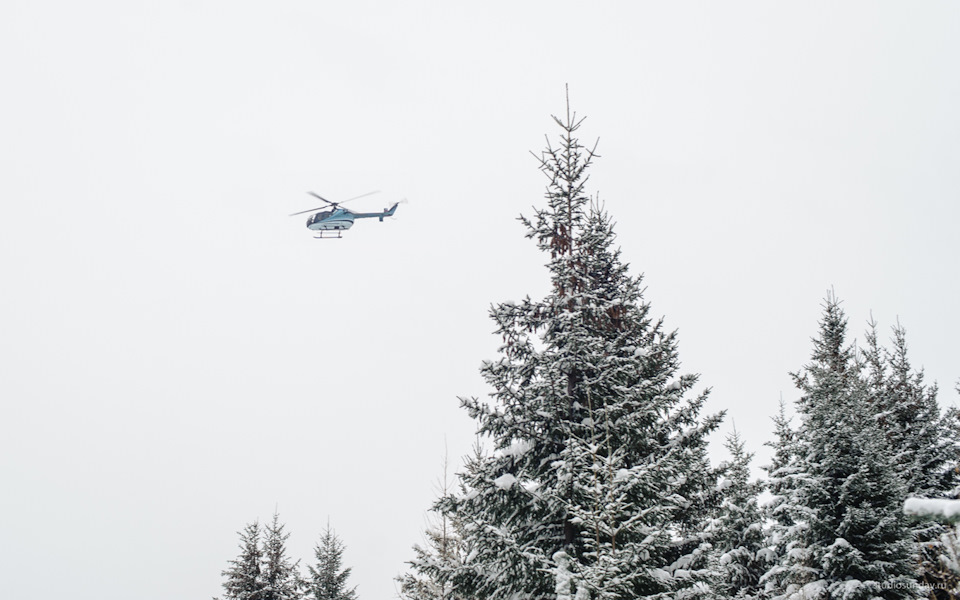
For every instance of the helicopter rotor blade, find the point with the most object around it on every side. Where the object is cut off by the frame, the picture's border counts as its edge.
(319, 197)
(306, 211)
(316, 195)
(329, 203)
(362, 196)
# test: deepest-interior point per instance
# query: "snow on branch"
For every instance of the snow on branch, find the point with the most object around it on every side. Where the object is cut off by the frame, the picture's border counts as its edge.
(938, 508)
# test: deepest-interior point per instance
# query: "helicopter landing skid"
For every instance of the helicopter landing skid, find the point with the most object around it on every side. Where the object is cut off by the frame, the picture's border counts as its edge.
(328, 237)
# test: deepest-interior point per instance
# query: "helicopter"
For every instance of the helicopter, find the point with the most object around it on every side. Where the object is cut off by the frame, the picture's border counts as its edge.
(332, 218)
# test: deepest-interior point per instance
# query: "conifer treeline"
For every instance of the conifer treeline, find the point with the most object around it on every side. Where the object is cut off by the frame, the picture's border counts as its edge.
(597, 485)
(263, 571)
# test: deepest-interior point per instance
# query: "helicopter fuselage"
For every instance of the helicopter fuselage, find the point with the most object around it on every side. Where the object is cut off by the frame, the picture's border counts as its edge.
(331, 220)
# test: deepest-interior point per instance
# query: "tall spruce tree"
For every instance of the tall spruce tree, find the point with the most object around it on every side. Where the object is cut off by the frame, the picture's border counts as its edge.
(243, 578)
(849, 540)
(599, 481)
(328, 579)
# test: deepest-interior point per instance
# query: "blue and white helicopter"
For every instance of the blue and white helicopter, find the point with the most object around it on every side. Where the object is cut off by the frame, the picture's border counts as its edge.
(331, 218)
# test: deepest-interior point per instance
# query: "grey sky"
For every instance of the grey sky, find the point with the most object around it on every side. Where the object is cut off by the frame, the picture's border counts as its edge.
(180, 357)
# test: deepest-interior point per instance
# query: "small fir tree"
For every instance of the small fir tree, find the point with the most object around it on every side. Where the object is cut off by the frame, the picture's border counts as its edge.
(244, 580)
(442, 554)
(281, 578)
(738, 539)
(328, 579)
(782, 484)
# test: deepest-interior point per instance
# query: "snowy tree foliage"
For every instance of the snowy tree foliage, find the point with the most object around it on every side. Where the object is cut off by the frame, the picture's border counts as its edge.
(281, 578)
(243, 579)
(739, 545)
(940, 548)
(847, 538)
(328, 578)
(782, 483)
(442, 554)
(598, 458)
(262, 571)
(923, 441)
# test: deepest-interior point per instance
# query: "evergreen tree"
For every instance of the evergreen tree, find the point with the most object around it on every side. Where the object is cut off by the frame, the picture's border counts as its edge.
(599, 479)
(738, 537)
(443, 553)
(281, 578)
(849, 540)
(923, 442)
(782, 483)
(244, 581)
(328, 579)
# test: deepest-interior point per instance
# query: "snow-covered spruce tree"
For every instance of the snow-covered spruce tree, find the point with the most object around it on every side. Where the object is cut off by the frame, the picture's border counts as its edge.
(782, 483)
(598, 483)
(849, 540)
(738, 539)
(328, 579)
(441, 555)
(924, 443)
(244, 581)
(281, 578)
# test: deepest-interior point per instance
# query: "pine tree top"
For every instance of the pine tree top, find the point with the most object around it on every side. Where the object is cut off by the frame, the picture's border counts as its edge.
(328, 576)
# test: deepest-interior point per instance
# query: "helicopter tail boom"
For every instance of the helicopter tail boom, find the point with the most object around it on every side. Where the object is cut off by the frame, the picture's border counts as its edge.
(387, 212)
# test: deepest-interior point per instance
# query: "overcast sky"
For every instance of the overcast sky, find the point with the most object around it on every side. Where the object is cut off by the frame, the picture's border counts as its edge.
(180, 357)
